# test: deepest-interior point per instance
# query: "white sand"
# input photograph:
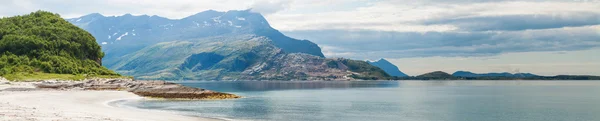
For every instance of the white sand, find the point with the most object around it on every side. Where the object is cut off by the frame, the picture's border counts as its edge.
(76, 106)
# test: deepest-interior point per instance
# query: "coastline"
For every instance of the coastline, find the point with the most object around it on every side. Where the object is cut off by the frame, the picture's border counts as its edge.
(76, 105)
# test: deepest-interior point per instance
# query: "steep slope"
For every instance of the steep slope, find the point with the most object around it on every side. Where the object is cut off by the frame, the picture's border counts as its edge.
(388, 67)
(237, 57)
(121, 35)
(43, 42)
(505, 74)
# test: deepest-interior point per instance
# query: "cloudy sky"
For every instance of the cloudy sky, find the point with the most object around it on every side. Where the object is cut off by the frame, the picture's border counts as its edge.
(545, 37)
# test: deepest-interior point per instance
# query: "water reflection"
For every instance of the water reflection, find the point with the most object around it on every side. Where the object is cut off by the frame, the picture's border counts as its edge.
(395, 101)
(238, 86)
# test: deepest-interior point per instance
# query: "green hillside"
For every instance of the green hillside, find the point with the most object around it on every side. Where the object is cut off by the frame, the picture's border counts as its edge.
(43, 42)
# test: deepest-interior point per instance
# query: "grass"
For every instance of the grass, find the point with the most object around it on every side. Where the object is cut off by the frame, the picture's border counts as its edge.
(38, 76)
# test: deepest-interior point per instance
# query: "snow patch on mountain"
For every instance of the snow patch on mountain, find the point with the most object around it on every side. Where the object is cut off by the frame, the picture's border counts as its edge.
(197, 24)
(206, 23)
(240, 18)
(123, 35)
(217, 19)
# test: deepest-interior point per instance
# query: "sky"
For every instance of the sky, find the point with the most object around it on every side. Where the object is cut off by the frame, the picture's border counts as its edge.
(545, 37)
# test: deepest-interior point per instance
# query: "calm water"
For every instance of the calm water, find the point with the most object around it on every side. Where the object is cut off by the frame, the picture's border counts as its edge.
(395, 101)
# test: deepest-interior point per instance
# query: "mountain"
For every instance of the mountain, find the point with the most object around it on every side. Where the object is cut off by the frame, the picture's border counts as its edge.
(211, 45)
(388, 67)
(505, 74)
(43, 42)
(122, 35)
(239, 57)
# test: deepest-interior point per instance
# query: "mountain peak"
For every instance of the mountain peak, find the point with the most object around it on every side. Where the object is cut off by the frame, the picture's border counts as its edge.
(207, 13)
(93, 15)
(214, 13)
(388, 67)
(382, 60)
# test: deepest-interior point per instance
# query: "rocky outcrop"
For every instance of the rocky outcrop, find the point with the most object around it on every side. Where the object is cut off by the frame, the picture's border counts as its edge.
(155, 89)
(159, 89)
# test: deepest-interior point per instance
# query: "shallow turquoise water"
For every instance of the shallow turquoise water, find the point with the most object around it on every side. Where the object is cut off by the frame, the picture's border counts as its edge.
(395, 101)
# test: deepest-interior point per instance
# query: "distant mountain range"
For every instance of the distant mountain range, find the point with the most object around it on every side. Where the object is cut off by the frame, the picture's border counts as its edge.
(388, 67)
(465, 75)
(212, 45)
(121, 35)
(504, 74)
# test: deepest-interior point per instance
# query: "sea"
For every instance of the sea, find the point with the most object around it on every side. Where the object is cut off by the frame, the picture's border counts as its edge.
(391, 101)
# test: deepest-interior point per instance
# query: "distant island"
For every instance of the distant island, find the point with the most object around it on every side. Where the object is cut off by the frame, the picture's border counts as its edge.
(465, 75)
(503, 74)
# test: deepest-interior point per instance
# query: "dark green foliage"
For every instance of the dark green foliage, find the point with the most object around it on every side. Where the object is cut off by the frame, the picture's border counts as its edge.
(45, 42)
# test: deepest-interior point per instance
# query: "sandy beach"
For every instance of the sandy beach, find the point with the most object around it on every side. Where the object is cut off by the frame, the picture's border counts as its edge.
(75, 106)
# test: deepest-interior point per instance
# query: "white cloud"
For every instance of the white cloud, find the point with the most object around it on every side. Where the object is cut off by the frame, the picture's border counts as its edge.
(402, 16)
(270, 6)
(288, 15)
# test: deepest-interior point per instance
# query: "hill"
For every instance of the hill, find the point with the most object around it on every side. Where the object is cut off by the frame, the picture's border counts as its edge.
(43, 42)
(388, 67)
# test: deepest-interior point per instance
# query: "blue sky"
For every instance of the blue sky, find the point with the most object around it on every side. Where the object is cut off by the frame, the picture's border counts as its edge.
(545, 37)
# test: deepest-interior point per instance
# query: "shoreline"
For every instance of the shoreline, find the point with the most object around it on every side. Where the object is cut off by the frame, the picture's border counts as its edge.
(77, 105)
(117, 104)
